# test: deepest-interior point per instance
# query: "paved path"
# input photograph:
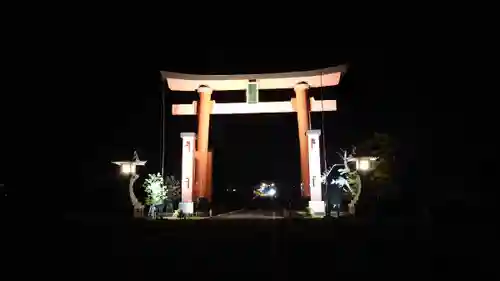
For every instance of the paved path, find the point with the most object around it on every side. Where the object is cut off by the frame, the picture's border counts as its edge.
(250, 214)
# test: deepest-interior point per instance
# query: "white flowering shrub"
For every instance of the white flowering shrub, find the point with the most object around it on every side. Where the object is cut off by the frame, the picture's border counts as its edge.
(155, 189)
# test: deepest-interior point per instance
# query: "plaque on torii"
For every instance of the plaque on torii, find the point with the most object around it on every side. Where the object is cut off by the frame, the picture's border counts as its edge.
(252, 84)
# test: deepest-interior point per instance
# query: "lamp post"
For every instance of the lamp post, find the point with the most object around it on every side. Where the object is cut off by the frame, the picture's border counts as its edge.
(129, 168)
(363, 165)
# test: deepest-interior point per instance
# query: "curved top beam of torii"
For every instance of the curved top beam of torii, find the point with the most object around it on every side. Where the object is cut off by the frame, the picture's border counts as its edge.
(285, 80)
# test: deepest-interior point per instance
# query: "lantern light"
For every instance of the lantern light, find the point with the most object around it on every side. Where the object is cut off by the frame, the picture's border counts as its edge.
(129, 167)
(365, 163)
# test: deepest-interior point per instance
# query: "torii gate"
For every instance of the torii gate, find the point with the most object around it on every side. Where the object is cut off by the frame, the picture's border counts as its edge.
(197, 164)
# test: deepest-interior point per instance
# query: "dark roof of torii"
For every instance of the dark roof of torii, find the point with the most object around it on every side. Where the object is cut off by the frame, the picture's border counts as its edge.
(185, 76)
(324, 77)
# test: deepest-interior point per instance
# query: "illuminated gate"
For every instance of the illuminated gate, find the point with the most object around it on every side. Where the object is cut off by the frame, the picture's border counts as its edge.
(197, 166)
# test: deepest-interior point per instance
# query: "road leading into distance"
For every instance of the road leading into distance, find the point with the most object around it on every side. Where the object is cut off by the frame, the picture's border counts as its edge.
(251, 214)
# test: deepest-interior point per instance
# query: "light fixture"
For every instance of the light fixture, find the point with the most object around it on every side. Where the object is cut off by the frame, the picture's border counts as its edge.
(365, 163)
(129, 167)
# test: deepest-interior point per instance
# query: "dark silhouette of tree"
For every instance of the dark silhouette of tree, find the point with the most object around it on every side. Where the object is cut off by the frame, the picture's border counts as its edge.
(384, 148)
(379, 185)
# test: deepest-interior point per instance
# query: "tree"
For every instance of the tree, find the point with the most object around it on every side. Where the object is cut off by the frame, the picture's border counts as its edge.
(382, 148)
(159, 192)
(349, 180)
(155, 189)
(173, 188)
(379, 183)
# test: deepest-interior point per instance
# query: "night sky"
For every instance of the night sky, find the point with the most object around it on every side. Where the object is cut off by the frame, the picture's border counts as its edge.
(123, 112)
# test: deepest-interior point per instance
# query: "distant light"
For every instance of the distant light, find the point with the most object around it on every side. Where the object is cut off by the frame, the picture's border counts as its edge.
(234, 189)
(263, 185)
(272, 184)
(271, 192)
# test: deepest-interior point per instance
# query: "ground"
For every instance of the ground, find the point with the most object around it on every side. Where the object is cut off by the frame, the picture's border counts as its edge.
(260, 245)
(283, 249)
(252, 214)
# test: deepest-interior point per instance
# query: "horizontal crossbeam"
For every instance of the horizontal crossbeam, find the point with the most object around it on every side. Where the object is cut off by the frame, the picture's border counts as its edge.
(287, 80)
(261, 107)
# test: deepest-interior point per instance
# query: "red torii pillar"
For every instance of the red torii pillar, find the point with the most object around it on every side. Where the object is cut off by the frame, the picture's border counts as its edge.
(302, 107)
(208, 194)
(204, 111)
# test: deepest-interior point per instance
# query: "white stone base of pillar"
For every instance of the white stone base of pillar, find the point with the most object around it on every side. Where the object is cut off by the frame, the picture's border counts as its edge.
(187, 208)
(138, 211)
(317, 207)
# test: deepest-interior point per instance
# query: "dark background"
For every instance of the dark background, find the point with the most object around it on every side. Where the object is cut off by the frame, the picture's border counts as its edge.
(112, 106)
(121, 111)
